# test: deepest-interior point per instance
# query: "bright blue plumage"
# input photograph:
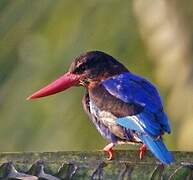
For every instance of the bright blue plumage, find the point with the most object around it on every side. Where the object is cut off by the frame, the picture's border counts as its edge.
(134, 89)
(154, 143)
(152, 122)
(158, 148)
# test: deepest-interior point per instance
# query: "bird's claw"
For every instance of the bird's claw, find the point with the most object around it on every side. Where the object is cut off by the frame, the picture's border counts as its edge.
(109, 150)
(142, 151)
(110, 154)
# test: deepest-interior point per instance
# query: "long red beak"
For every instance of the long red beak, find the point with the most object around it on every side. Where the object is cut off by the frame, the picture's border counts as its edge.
(62, 83)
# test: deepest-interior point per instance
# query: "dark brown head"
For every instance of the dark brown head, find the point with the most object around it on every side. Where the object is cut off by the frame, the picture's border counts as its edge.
(93, 66)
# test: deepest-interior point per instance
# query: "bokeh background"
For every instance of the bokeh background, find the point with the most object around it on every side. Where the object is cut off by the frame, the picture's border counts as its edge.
(40, 38)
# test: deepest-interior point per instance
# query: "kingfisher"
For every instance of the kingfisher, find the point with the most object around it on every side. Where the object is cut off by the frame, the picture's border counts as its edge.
(124, 107)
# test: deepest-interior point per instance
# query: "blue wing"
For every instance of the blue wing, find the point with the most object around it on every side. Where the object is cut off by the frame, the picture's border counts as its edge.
(151, 122)
(147, 133)
(131, 88)
(134, 89)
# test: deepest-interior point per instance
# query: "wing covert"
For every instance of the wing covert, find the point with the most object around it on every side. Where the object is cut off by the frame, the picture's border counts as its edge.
(131, 88)
(134, 89)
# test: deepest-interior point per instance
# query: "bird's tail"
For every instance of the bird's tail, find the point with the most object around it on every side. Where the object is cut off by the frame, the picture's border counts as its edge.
(157, 147)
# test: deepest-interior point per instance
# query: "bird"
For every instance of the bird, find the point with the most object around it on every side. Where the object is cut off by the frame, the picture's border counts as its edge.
(124, 107)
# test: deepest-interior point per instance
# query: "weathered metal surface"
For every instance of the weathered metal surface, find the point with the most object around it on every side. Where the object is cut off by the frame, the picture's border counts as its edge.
(92, 165)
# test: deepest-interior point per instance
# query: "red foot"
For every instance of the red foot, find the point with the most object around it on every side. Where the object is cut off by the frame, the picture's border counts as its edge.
(142, 151)
(109, 150)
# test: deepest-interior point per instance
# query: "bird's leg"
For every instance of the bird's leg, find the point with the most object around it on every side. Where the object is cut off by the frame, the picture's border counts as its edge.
(109, 150)
(142, 151)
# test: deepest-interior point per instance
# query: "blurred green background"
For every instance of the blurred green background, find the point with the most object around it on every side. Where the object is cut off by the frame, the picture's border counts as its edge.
(40, 38)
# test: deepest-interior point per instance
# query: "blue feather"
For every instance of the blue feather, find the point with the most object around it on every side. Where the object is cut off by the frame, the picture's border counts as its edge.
(129, 123)
(158, 148)
(131, 88)
(151, 122)
(163, 119)
(142, 122)
(148, 131)
(134, 89)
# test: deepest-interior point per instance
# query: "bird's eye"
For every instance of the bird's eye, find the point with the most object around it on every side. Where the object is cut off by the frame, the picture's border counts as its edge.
(80, 69)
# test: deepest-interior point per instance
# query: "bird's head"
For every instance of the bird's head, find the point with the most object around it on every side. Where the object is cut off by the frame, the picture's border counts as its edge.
(88, 68)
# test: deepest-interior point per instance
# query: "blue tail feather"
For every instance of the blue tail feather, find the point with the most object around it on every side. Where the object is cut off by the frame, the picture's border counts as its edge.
(163, 119)
(158, 148)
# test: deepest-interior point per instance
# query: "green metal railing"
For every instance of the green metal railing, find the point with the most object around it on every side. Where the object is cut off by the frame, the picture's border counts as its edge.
(92, 165)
